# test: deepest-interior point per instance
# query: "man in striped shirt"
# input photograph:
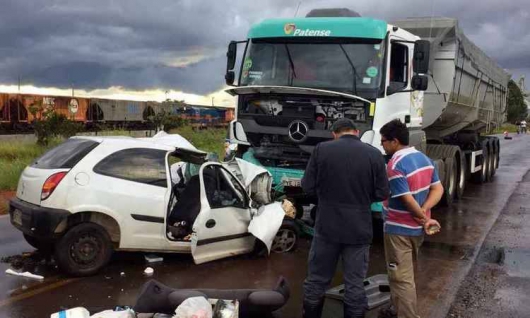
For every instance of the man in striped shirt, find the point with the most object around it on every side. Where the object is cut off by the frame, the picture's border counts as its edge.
(414, 189)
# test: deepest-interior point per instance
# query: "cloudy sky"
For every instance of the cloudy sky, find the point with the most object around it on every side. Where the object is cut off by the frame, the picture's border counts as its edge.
(176, 48)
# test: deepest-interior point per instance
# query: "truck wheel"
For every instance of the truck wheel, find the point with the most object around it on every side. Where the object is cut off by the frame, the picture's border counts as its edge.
(286, 239)
(43, 245)
(481, 176)
(84, 249)
(498, 150)
(495, 155)
(462, 177)
(450, 182)
(491, 161)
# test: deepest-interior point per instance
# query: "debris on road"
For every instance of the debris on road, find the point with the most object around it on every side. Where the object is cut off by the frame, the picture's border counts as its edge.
(149, 271)
(24, 274)
(78, 312)
(150, 258)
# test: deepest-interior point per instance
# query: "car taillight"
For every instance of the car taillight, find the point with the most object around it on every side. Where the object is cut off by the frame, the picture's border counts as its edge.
(51, 183)
(321, 118)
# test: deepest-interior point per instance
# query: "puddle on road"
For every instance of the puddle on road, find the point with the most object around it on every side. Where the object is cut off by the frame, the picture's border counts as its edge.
(446, 251)
(517, 263)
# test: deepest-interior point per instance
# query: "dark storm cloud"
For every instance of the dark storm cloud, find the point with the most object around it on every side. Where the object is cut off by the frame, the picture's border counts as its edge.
(180, 44)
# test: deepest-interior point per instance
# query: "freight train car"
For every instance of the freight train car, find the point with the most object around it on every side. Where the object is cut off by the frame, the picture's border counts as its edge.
(19, 111)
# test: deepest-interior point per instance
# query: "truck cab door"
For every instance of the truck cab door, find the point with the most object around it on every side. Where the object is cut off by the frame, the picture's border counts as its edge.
(221, 228)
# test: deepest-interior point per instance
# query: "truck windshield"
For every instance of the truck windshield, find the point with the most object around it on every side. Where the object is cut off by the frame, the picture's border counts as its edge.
(349, 68)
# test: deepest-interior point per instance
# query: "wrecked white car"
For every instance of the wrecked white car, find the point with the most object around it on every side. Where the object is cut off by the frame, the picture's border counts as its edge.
(90, 196)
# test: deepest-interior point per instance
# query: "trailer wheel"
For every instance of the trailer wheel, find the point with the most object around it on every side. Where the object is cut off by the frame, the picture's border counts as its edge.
(491, 161)
(481, 176)
(450, 182)
(498, 149)
(462, 176)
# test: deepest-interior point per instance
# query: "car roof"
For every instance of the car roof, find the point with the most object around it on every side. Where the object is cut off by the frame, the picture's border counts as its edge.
(162, 140)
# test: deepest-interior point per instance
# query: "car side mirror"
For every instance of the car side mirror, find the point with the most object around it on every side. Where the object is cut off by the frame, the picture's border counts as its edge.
(422, 51)
(420, 82)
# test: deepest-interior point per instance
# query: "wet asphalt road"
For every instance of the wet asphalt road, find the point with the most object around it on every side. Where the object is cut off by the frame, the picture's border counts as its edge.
(444, 263)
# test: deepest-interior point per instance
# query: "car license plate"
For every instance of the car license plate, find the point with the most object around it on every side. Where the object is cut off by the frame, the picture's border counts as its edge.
(290, 182)
(17, 217)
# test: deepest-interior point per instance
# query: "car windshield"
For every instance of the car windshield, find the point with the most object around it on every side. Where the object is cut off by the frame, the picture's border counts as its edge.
(352, 68)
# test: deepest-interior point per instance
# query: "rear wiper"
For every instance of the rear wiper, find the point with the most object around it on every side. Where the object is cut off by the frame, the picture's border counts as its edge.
(353, 69)
(291, 64)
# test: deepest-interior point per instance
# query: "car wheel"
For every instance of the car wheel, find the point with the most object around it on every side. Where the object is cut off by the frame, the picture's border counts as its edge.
(286, 239)
(43, 245)
(84, 249)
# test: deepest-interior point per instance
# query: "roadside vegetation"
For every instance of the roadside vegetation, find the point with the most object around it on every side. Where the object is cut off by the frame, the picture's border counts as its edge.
(16, 155)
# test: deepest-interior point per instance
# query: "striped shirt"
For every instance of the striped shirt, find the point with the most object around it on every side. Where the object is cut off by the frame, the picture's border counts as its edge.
(409, 172)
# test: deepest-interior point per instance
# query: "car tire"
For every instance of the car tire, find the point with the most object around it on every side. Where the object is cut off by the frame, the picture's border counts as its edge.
(286, 240)
(42, 245)
(84, 249)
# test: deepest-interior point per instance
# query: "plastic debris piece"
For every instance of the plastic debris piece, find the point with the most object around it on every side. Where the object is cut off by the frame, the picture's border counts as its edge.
(78, 312)
(150, 258)
(149, 271)
(24, 274)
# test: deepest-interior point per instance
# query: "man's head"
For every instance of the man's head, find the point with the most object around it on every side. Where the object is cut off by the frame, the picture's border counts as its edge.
(343, 127)
(394, 136)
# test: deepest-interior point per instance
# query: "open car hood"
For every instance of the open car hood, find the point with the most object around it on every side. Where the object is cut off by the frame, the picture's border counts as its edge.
(264, 89)
(182, 146)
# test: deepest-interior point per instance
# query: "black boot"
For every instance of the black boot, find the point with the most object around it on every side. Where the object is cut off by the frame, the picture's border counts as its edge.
(313, 311)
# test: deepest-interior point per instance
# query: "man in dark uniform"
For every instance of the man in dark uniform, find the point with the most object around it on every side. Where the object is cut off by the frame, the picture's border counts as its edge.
(346, 175)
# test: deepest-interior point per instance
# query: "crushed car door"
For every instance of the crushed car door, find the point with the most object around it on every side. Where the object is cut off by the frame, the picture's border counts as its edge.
(221, 228)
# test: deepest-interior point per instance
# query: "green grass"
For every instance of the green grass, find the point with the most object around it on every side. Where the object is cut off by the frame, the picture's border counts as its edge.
(209, 140)
(16, 155)
(511, 128)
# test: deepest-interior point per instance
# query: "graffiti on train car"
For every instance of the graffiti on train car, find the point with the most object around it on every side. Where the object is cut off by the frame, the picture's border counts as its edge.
(18, 112)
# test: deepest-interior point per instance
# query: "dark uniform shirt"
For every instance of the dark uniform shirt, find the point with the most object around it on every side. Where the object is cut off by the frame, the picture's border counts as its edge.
(347, 175)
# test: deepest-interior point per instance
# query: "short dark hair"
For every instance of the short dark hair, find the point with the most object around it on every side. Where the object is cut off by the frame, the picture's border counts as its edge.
(395, 129)
(343, 125)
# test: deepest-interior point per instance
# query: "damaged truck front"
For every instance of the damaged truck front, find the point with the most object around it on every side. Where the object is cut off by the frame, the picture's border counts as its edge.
(297, 78)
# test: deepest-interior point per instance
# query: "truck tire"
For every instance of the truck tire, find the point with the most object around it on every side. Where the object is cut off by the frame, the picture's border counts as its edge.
(491, 160)
(450, 182)
(494, 142)
(452, 176)
(462, 176)
(481, 176)
(498, 149)
(84, 249)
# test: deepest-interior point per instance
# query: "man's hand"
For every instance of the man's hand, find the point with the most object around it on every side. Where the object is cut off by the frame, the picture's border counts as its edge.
(431, 227)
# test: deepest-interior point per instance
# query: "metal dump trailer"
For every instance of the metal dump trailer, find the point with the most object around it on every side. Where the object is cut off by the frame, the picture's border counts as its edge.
(467, 90)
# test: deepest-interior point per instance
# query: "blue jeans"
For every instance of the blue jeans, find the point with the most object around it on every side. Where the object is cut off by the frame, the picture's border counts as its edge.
(323, 259)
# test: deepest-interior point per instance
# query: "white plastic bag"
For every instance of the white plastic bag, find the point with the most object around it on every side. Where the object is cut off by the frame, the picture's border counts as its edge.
(194, 307)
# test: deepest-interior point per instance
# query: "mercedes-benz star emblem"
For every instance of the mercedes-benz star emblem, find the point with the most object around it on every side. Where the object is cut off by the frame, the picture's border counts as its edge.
(298, 131)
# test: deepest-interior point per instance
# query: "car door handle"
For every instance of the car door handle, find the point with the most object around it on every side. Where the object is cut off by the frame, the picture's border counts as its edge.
(210, 223)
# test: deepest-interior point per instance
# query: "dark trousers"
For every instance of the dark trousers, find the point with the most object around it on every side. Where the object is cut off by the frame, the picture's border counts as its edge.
(323, 259)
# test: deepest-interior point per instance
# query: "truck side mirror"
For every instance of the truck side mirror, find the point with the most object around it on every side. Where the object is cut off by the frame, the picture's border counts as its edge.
(231, 55)
(230, 77)
(420, 82)
(422, 51)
